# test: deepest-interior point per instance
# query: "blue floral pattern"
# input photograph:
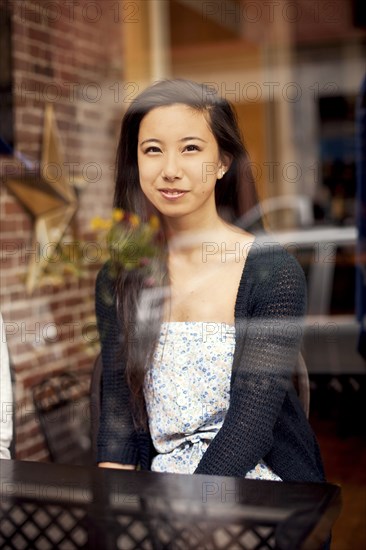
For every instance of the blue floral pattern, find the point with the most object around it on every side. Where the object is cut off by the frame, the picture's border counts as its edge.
(187, 394)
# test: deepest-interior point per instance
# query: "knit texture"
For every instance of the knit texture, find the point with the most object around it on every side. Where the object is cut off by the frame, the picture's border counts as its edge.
(265, 418)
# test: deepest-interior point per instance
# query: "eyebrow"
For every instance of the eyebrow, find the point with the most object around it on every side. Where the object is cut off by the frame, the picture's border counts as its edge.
(188, 138)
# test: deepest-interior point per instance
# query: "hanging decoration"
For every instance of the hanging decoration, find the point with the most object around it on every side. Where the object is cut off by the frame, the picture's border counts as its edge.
(49, 195)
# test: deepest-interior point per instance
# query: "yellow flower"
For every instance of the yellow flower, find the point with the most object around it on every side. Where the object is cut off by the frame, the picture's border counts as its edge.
(154, 223)
(100, 223)
(96, 223)
(134, 220)
(118, 214)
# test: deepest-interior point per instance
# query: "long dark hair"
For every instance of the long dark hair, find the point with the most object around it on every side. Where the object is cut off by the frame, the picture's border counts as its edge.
(235, 195)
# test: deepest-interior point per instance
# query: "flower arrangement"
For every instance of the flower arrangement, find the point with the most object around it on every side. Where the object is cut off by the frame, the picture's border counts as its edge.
(124, 238)
(130, 242)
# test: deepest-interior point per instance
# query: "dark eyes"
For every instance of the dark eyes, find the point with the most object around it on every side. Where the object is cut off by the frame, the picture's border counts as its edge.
(152, 149)
(189, 148)
(192, 148)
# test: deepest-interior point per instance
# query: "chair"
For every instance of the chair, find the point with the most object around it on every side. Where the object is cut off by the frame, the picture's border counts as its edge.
(62, 406)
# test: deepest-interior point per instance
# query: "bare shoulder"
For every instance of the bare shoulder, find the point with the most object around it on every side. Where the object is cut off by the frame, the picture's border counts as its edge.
(238, 240)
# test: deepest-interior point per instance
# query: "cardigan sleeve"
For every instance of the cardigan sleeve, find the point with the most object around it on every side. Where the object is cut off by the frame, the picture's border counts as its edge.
(117, 439)
(268, 344)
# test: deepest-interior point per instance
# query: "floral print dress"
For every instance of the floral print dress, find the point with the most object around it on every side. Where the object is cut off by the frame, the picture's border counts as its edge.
(187, 394)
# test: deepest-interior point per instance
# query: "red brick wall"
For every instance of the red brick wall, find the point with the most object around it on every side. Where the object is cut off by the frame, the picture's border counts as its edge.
(67, 53)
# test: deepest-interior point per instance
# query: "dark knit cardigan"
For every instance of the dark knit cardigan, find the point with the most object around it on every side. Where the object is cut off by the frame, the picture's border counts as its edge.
(265, 419)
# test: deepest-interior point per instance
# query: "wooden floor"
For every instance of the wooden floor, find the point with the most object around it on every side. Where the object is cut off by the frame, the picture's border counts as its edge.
(345, 463)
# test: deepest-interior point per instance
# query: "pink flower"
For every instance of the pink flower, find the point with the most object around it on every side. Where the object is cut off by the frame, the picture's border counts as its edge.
(144, 262)
(149, 282)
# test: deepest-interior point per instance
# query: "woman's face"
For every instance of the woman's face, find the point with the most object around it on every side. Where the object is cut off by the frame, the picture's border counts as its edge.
(179, 161)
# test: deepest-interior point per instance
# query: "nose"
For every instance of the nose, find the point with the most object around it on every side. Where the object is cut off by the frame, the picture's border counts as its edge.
(171, 168)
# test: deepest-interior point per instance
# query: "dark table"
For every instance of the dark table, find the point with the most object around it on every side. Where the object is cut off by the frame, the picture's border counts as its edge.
(47, 506)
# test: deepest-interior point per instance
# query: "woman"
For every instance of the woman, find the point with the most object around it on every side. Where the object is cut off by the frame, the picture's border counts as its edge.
(202, 384)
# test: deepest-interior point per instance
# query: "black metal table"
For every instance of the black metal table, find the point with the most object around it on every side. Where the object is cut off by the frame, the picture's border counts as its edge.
(47, 506)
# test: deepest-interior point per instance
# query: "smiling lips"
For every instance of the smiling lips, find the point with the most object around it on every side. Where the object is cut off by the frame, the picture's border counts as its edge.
(172, 194)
